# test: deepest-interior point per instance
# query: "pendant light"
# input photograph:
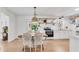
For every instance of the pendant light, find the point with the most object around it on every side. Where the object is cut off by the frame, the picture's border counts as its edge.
(34, 19)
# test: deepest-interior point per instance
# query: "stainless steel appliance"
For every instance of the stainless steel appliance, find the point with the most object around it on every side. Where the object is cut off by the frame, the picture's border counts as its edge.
(49, 32)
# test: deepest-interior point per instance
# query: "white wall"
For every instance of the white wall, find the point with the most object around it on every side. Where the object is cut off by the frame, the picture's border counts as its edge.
(12, 28)
(22, 24)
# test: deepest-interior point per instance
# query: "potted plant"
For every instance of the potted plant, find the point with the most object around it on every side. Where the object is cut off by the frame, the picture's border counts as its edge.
(5, 33)
(34, 26)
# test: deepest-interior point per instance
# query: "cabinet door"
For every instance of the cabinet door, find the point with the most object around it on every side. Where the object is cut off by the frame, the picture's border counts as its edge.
(74, 44)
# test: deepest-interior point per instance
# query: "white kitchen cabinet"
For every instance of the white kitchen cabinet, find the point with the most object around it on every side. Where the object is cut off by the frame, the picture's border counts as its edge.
(61, 34)
(74, 44)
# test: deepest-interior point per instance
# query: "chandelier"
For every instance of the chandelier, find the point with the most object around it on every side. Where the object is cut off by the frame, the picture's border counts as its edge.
(34, 19)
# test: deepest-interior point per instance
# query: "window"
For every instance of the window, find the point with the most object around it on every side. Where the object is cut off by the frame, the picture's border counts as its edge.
(4, 21)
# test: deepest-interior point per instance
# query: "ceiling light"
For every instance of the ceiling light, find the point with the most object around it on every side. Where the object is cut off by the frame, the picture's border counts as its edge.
(77, 9)
(34, 17)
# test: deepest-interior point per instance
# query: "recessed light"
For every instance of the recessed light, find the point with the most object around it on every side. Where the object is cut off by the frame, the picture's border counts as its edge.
(77, 9)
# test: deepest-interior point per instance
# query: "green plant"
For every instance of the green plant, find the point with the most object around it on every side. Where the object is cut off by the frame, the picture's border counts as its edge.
(35, 26)
(5, 28)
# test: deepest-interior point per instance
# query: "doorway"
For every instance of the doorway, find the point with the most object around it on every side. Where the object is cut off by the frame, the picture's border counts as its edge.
(4, 21)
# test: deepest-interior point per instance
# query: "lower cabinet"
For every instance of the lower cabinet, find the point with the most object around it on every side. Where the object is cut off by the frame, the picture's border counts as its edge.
(74, 44)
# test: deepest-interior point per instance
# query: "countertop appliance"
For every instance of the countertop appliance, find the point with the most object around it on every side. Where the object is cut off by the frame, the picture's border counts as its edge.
(49, 32)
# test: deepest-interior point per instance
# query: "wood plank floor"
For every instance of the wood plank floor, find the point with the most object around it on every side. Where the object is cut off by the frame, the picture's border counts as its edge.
(58, 45)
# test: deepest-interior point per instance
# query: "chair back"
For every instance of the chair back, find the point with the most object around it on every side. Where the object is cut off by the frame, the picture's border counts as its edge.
(27, 39)
(38, 38)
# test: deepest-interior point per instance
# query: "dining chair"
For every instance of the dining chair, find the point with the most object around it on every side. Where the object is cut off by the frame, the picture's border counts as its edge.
(27, 40)
(19, 43)
(38, 41)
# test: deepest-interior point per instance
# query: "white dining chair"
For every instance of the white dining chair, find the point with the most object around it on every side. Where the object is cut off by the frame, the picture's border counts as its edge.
(38, 40)
(27, 40)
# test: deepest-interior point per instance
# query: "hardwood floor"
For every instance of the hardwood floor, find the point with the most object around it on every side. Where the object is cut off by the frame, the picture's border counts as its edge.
(58, 45)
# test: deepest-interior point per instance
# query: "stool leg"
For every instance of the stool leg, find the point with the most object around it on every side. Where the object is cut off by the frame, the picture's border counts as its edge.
(41, 47)
(30, 46)
(35, 48)
(30, 49)
(24, 48)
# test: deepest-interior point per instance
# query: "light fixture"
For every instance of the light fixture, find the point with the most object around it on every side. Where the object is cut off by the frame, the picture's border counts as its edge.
(77, 9)
(34, 19)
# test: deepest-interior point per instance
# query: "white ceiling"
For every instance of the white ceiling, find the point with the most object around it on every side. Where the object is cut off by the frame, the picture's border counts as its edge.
(43, 11)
